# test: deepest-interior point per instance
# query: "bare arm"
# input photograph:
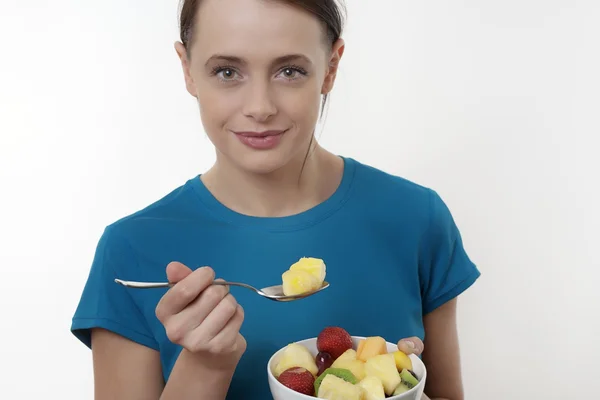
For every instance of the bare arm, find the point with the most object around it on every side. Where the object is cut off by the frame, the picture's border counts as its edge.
(194, 378)
(124, 370)
(441, 354)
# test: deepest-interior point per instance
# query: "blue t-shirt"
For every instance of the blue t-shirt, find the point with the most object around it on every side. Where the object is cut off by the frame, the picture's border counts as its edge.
(392, 250)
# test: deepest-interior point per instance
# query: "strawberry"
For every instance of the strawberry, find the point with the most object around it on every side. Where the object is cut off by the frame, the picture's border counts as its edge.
(334, 340)
(298, 379)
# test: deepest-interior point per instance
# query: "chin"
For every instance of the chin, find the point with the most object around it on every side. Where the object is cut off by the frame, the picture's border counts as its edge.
(262, 163)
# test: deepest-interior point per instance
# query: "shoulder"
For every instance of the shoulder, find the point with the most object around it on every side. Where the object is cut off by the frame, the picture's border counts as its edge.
(397, 195)
(153, 227)
(418, 219)
(177, 205)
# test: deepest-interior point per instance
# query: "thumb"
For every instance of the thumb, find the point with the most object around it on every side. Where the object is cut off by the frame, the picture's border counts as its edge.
(412, 345)
(176, 272)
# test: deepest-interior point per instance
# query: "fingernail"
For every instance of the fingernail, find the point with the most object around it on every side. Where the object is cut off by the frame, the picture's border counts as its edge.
(410, 343)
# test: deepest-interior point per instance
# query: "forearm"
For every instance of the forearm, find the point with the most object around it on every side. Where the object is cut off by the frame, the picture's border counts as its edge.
(197, 379)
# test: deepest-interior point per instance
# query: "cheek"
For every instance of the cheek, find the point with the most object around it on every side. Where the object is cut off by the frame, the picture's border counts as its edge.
(215, 107)
(301, 105)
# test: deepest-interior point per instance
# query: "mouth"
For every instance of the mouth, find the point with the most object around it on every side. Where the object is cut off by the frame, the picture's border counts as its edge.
(263, 134)
(264, 140)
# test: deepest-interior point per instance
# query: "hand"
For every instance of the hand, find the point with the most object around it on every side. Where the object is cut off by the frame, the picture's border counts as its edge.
(204, 319)
(412, 345)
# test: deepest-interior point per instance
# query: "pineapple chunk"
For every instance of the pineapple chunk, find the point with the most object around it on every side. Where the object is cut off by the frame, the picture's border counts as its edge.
(360, 346)
(357, 367)
(334, 388)
(314, 266)
(372, 388)
(403, 361)
(299, 282)
(371, 346)
(349, 354)
(296, 355)
(383, 366)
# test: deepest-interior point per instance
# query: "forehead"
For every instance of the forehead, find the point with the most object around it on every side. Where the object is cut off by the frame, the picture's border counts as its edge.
(255, 27)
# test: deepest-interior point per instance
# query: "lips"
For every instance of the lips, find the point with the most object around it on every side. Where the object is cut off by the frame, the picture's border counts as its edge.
(264, 140)
(259, 134)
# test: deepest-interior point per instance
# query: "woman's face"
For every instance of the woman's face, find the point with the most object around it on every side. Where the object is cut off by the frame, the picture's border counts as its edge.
(258, 69)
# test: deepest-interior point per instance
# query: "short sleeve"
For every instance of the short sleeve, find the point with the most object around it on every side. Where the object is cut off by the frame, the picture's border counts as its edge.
(106, 304)
(445, 269)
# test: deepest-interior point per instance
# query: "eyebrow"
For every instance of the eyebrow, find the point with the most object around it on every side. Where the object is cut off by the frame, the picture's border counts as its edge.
(237, 60)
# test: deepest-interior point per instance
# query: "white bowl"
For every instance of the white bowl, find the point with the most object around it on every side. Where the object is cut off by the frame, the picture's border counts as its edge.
(281, 392)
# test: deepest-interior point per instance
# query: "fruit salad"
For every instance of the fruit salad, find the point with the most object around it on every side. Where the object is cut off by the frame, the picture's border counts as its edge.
(340, 372)
(304, 276)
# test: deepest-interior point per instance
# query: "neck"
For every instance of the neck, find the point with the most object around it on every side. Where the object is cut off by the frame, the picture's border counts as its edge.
(294, 188)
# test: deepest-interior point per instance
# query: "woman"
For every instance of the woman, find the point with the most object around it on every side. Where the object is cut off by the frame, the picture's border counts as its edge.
(259, 70)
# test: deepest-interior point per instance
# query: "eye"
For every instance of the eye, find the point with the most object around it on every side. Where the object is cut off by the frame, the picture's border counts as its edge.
(289, 72)
(226, 73)
(292, 73)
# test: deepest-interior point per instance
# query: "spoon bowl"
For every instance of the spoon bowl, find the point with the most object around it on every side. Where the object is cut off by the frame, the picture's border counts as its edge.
(274, 293)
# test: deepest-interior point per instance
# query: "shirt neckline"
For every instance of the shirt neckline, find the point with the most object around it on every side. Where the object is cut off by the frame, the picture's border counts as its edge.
(301, 220)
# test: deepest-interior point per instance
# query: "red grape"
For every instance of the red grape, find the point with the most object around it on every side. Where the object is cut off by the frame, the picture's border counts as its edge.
(324, 361)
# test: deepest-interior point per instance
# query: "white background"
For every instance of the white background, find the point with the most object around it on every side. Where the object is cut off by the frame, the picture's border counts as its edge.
(494, 104)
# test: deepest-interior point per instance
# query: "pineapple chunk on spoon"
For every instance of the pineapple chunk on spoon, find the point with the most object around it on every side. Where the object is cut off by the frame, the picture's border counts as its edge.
(304, 278)
(274, 293)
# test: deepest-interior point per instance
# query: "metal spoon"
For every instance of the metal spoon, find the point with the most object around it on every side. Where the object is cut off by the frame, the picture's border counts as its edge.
(272, 292)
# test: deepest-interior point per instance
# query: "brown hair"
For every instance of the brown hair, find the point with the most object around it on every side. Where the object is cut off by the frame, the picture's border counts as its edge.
(329, 12)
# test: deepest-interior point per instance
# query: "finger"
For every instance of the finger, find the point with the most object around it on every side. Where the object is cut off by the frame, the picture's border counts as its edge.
(222, 280)
(184, 292)
(196, 312)
(176, 272)
(412, 345)
(227, 338)
(218, 318)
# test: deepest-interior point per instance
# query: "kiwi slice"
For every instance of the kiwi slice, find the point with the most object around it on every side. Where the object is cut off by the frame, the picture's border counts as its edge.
(343, 373)
(402, 388)
(408, 379)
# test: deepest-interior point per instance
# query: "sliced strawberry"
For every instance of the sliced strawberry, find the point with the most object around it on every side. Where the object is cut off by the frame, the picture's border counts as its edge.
(298, 379)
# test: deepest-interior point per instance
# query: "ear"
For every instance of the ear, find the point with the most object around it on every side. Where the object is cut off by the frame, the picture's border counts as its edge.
(185, 65)
(334, 62)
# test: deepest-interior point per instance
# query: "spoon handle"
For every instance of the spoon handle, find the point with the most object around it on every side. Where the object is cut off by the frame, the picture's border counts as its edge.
(144, 285)
(154, 285)
(225, 283)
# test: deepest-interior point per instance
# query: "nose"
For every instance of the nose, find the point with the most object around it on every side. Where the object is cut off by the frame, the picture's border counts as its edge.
(258, 103)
